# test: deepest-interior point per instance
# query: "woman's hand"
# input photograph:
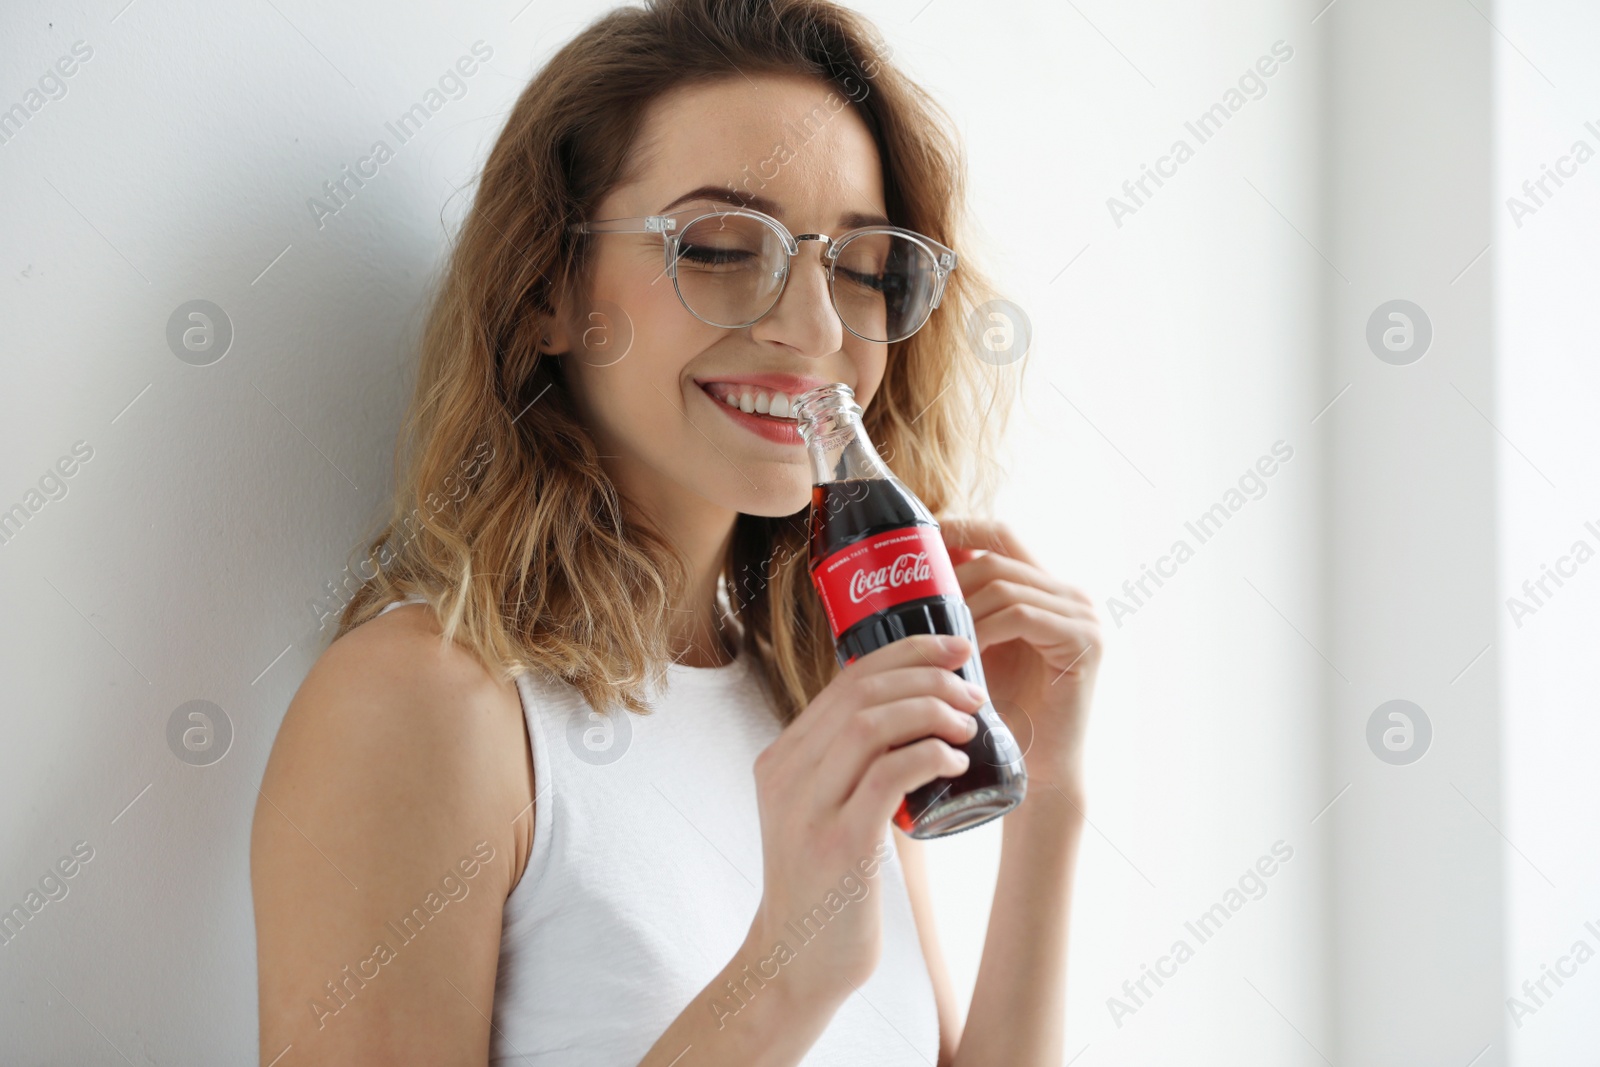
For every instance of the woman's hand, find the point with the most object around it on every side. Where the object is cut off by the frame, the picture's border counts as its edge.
(827, 788)
(1040, 643)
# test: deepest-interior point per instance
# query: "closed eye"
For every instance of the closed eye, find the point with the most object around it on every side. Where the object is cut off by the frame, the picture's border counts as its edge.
(875, 282)
(709, 256)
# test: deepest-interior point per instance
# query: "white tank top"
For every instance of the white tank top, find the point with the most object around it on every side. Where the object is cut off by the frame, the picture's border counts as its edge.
(644, 875)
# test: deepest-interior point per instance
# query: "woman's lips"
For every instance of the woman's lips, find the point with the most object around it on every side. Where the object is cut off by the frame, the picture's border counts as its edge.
(781, 431)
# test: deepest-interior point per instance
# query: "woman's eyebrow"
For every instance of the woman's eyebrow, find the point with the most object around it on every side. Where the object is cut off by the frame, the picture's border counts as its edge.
(724, 195)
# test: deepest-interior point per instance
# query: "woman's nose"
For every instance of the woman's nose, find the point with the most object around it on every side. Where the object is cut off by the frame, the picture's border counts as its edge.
(804, 318)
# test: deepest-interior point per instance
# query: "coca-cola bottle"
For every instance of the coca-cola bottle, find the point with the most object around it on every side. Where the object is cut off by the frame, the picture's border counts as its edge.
(881, 568)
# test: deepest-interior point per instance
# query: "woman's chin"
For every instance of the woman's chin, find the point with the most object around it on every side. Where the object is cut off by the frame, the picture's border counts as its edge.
(768, 501)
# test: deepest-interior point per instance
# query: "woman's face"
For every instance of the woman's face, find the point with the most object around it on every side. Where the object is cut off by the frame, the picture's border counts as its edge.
(646, 373)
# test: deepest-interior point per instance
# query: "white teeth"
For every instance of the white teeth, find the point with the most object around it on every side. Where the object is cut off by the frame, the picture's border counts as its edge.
(756, 402)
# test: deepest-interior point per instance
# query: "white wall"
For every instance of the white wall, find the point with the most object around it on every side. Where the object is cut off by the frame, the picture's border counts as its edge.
(1415, 886)
(1172, 351)
(1548, 387)
(219, 498)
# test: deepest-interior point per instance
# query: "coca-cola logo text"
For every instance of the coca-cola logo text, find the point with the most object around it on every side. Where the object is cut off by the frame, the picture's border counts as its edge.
(907, 568)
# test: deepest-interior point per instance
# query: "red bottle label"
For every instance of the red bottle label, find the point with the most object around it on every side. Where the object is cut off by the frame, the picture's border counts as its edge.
(878, 572)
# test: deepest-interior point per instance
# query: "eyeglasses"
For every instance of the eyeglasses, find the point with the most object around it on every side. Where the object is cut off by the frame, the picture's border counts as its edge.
(730, 267)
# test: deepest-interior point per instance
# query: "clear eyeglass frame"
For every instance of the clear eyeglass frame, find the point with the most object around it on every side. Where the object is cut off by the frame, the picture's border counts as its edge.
(671, 229)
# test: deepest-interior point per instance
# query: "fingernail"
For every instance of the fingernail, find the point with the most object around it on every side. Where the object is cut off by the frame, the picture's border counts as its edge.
(972, 725)
(978, 693)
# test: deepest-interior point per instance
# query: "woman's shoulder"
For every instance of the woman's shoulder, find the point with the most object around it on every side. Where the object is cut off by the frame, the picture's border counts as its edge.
(391, 792)
(395, 725)
(398, 670)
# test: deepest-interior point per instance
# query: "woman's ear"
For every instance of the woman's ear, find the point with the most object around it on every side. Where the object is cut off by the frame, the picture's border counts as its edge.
(555, 335)
(554, 338)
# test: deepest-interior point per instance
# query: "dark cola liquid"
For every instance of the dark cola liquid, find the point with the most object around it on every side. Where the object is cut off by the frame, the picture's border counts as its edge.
(852, 510)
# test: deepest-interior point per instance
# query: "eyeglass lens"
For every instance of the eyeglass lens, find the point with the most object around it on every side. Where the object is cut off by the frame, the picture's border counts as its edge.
(731, 270)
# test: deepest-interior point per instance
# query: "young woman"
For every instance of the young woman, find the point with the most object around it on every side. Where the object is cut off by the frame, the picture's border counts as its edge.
(580, 781)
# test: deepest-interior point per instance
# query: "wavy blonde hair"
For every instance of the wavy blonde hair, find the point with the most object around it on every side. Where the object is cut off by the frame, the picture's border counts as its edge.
(503, 517)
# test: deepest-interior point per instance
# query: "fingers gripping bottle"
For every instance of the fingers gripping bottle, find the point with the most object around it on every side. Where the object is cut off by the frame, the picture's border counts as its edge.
(881, 569)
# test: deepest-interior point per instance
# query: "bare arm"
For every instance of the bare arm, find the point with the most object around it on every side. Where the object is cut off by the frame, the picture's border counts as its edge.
(1041, 645)
(382, 852)
(1019, 1005)
(914, 863)
(776, 1026)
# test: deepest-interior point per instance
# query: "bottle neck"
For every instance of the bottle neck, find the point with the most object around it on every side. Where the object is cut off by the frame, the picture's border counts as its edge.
(830, 422)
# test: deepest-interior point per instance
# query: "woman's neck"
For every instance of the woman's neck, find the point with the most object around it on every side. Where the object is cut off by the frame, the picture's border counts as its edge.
(698, 634)
(702, 640)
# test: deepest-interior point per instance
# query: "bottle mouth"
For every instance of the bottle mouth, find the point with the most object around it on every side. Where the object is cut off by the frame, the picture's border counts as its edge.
(825, 409)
